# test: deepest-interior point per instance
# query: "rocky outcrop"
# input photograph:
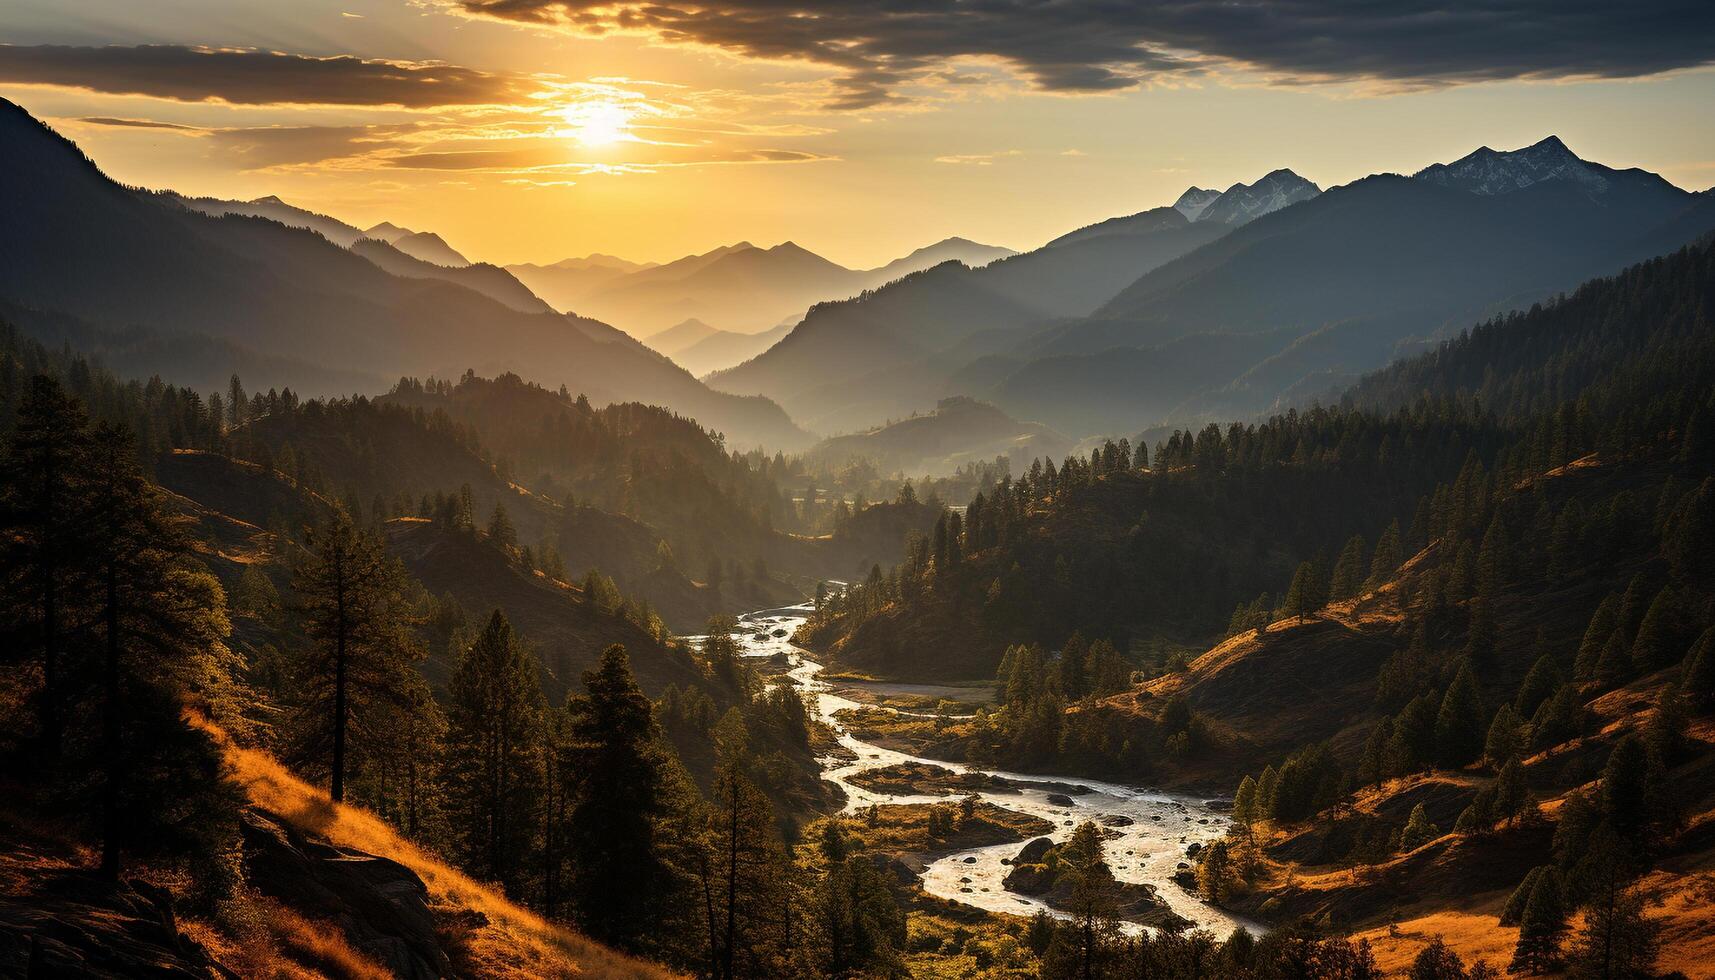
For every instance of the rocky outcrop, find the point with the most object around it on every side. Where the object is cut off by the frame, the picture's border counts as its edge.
(1036, 873)
(73, 923)
(381, 905)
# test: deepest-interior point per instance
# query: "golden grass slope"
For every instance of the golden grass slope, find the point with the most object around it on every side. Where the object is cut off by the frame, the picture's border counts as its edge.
(514, 943)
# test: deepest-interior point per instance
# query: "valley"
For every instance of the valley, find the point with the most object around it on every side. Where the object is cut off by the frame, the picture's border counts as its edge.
(1149, 831)
(769, 491)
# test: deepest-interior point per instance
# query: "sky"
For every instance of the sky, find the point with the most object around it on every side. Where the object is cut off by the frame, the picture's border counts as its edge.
(536, 130)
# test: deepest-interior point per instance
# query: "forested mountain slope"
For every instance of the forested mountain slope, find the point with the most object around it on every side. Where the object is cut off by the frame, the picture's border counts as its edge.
(1504, 677)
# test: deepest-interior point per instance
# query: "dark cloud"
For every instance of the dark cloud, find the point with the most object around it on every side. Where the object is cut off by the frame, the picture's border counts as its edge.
(1103, 45)
(250, 77)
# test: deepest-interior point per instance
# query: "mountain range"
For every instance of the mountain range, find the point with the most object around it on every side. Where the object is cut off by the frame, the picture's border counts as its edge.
(1225, 305)
(739, 288)
(1222, 305)
(79, 251)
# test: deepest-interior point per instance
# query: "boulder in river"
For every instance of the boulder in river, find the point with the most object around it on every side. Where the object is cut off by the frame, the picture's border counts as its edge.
(1061, 799)
(1117, 820)
(1034, 851)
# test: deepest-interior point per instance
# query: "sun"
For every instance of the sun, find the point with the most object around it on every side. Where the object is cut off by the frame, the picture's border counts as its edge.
(598, 122)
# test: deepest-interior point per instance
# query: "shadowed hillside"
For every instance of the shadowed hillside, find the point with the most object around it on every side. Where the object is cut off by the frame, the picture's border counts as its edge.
(80, 244)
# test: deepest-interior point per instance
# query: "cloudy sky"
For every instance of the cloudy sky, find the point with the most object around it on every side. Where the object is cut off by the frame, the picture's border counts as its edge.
(533, 130)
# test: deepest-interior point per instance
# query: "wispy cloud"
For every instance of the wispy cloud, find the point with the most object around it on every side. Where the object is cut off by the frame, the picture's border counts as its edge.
(976, 159)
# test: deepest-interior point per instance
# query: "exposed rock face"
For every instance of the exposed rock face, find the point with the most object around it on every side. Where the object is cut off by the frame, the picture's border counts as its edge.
(74, 924)
(381, 905)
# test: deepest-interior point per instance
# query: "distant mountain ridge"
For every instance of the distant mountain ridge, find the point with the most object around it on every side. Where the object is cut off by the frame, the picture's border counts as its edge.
(739, 288)
(1243, 203)
(425, 245)
(938, 323)
(1491, 172)
(76, 243)
(1276, 292)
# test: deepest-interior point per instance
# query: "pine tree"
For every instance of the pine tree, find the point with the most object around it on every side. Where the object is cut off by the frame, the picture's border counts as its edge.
(1349, 570)
(1615, 663)
(1091, 903)
(1108, 673)
(1071, 666)
(1480, 634)
(1245, 803)
(1438, 962)
(1661, 636)
(1459, 727)
(1512, 795)
(46, 471)
(1494, 559)
(1628, 800)
(161, 634)
(1387, 558)
(1542, 927)
(1418, 830)
(236, 405)
(1412, 746)
(1539, 685)
(742, 874)
(862, 927)
(1697, 676)
(1602, 624)
(1505, 736)
(361, 660)
(1617, 940)
(1215, 874)
(1304, 595)
(501, 533)
(1373, 761)
(620, 877)
(493, 729)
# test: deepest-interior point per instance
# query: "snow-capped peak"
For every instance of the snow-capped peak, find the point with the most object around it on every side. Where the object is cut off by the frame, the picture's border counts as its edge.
(1244, 203)
(1193, 202)
(1486, 171)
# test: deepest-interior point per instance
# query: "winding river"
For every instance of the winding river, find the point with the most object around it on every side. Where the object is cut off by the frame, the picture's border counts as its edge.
(1147, 849)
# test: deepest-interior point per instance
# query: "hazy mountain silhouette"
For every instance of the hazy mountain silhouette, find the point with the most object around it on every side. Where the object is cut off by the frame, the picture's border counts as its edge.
(723, 349)
(959, 431)
(738, 288)
(679, 336)
(565, 282)
(948, 249)
(76, 242)
(892, 351)
(274, 209)
(425, 245)
(491, 281)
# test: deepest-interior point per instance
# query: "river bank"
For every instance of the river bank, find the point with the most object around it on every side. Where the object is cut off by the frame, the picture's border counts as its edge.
(1149, 832)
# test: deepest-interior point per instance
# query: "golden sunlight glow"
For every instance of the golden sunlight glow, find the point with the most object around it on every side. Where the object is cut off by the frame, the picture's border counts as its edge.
(599, 122)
